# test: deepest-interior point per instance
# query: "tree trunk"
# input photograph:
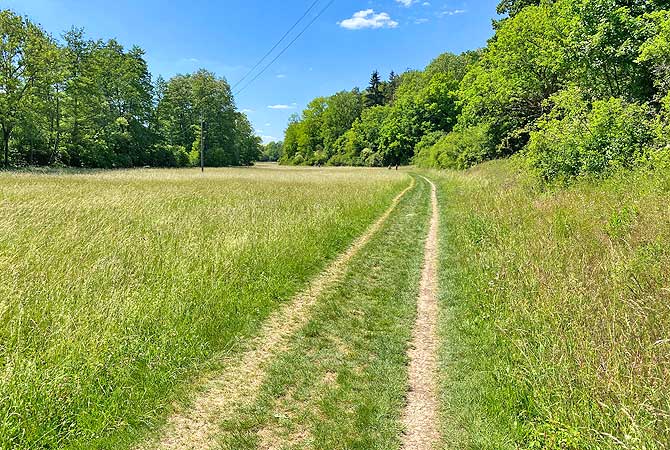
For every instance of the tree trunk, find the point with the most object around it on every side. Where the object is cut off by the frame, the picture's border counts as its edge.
(5, 139)
(57, 140)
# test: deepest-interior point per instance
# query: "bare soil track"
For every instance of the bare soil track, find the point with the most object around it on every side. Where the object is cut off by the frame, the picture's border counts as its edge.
(196, 427)
(420, 417)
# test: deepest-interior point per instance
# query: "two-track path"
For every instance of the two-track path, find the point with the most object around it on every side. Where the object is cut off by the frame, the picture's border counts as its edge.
(196, 427)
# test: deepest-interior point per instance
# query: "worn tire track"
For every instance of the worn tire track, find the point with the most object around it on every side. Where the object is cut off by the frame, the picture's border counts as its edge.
(196, 428)
(420, 418)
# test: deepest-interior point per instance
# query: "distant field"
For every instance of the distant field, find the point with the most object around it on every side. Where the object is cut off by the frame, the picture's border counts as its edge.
(115, 286)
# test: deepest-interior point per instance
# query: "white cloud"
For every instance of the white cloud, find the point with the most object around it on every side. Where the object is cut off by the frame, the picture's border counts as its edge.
(247, 110)
(420, 21)
(368, 19)
(451, 12)
(281, 106)
(281, 75)
(268, 124)
(406, 3)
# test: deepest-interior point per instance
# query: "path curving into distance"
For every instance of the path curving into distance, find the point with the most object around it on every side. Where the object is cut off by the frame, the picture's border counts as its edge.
(196, 428)
(420, 418)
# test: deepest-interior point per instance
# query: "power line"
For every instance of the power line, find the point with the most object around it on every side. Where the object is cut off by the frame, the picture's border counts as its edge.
(286, 48)
(276, 45)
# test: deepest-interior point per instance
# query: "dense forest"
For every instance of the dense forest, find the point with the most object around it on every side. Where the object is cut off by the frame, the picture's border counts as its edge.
(271, 152)
(91, 103)
(573, 87)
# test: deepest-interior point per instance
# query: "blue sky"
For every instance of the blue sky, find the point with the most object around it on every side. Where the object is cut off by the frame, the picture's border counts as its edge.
(338, 52)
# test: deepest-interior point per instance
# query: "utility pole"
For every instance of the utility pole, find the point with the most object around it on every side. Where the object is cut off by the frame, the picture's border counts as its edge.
(202, 144)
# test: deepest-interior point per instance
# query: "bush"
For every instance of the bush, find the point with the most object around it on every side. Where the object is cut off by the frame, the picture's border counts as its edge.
(194, 158)
(96, 153)
(319, 158)
(181, 156)
(370, 158)
(577, 139)
(662, 124)
(459, 149)
(423, 149)
(340, 159)
(216, 157)
(298, 160)
(169, 156)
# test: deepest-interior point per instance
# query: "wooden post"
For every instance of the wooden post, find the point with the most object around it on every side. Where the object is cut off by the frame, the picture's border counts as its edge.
(202, 144)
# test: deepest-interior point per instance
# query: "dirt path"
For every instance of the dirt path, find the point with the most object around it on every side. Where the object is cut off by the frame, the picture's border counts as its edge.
(197, 427)
(421, 413)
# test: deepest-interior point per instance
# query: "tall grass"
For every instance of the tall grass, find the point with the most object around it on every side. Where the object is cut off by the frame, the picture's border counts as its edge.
(116, 286)
(556, 311)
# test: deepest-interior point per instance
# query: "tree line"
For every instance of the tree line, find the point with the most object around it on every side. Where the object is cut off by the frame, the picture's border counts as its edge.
(92, 103)
(573, 87)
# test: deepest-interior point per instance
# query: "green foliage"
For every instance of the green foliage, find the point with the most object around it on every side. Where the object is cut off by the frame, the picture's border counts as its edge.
(298, 160)
(26, 53)
(317, 134)
(580, 139)
(382, 126)
(400, 132)
(656, 50)
(513, 7)
(271, 152)
(455, 67)
(169, 156)
(606, 39)
(423, 156)
(93, 104)
(524, 65)
(374, 94)
(573, 84)
(459, 149)
(188, 102)
(342, 110)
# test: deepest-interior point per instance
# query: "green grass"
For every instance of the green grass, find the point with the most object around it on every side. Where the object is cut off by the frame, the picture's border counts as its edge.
(555, 311)
(342, 382)
(115, 287)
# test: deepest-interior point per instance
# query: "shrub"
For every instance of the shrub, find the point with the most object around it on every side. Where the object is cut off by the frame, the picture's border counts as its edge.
(370, 158)
(422, 150)
(319, 158)
(581, 139)
(181, 156)
(340, 159)
(298, 160)
(96, 153)
(459, 149)
(169, 156)
(194, 158)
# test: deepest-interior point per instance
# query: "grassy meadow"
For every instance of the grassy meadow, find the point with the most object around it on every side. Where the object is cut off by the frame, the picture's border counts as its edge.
(117, 286)
(342, 382)
(555, 311)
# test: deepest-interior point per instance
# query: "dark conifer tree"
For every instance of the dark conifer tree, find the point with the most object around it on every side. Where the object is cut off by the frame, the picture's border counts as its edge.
(374, 95)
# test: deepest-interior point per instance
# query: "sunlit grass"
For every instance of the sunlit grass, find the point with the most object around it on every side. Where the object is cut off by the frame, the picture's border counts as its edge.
(115, 286)
(556, 311)
(342, 382)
